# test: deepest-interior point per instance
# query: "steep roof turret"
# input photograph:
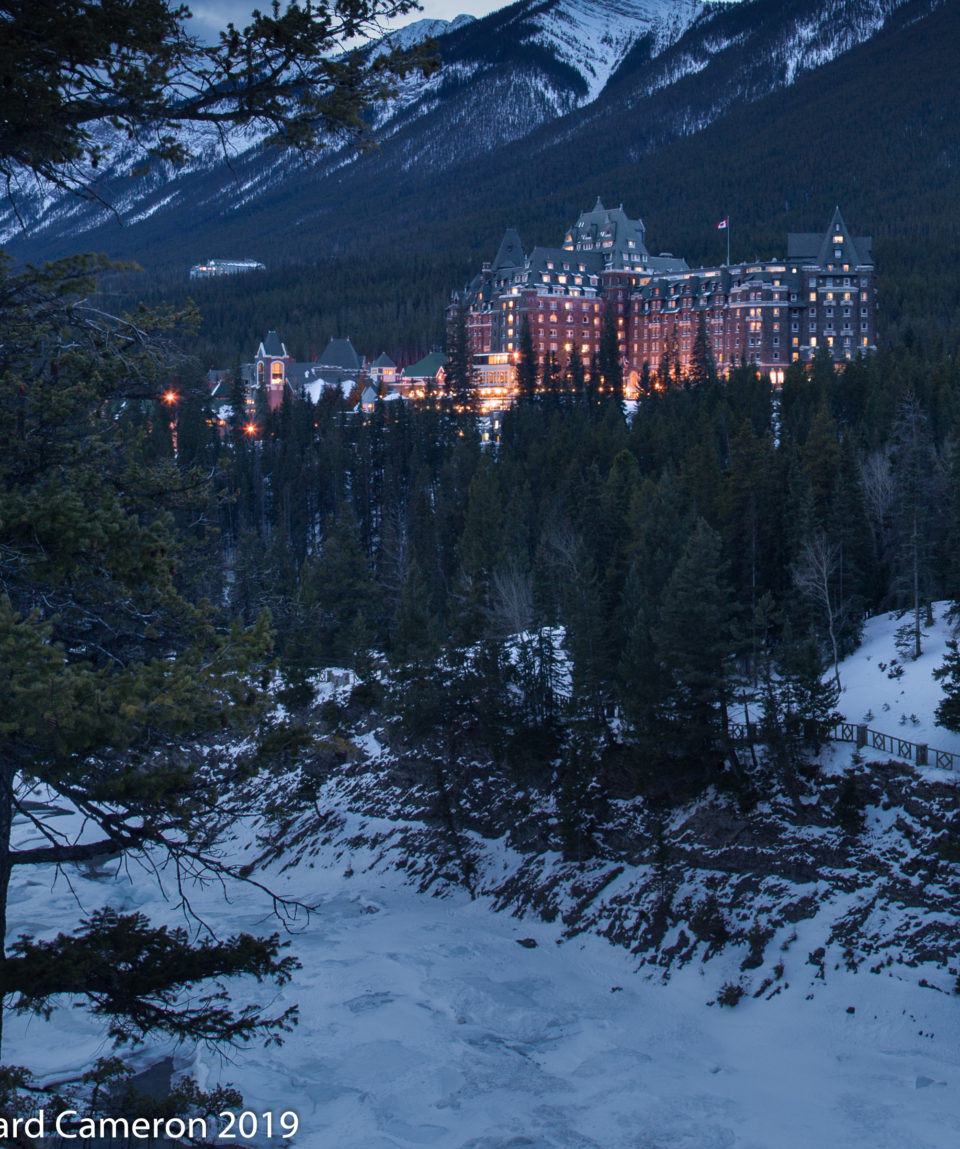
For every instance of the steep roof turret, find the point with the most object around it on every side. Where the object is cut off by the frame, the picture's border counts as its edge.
(510, 252)
(272, 348)
(340, 353)
(611, 232)
(836, 245)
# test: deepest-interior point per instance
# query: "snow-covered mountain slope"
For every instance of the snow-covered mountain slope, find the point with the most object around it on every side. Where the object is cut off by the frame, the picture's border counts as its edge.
(502, 76)
(610, 79)
(593, 36)
(427, 29)
(735, 55)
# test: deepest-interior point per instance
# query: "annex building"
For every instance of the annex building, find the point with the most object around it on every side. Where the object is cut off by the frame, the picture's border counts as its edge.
(769, 313)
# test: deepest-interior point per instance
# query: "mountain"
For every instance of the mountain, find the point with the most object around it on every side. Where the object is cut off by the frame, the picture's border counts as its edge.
(769, 112)
(514, 70)
(502, 76)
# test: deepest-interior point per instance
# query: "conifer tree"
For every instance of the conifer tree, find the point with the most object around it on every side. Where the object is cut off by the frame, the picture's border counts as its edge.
(703, 365)
(112, 670)
(948, 674)
(609, 364)
(917, 500)
(695, 641)
(526, 364)
(551, 383)
(85, 77)
(576, 378)
(460, 385)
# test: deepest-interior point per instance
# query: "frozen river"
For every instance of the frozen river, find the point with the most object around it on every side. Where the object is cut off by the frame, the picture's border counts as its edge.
(425, 1022)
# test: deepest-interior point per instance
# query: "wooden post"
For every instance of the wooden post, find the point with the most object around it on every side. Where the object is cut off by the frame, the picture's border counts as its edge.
(861, 737)
(922, 752)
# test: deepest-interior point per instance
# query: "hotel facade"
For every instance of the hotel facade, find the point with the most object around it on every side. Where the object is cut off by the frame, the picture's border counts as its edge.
(768, 313)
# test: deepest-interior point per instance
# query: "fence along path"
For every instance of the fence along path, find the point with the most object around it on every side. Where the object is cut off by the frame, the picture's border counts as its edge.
(919, 753)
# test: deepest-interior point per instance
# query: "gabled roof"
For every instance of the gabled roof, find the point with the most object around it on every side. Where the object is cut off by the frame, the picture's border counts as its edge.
(820, 247)
(427, 367)
(383, 360)
(272, 348)
(612, 232)
(340, 353)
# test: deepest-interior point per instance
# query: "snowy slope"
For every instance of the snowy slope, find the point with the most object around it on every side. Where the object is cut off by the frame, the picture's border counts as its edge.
(559, 55)
(424, 1022)
(427, 29)
(891, 692)
(593, 36)
(528, 79)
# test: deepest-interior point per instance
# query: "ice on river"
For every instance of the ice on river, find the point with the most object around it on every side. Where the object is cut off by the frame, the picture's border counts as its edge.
(425, 1023)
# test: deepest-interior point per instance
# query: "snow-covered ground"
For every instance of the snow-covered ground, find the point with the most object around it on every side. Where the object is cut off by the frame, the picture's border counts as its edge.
(893, 693)
(426, 1022)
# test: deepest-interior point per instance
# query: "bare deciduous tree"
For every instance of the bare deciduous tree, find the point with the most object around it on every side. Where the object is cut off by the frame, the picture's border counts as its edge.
(813, 576)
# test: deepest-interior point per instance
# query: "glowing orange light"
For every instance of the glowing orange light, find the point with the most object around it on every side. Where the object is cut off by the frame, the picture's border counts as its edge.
(251, 428)
(170, 397)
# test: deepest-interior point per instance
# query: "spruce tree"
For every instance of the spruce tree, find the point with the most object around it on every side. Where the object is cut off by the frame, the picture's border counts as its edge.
(526, 364)
(460, 386)
(576, 379)
(695, 642)
(703, 365)
(609, 364)
(114, 674)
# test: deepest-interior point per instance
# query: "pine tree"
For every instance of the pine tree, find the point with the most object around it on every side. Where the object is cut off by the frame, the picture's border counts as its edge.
(695, 641)
(113, 672)
(948, 709)
(86, 76)
(526, 365)
(460, 385)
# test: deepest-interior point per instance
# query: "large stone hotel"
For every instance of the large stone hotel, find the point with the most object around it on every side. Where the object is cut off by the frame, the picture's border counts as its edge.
(769, 313)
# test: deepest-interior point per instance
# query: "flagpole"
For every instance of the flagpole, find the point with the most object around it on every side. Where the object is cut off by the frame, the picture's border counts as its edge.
(728, 241)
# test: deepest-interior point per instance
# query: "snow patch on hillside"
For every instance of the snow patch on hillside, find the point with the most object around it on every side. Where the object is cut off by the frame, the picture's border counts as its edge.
(887, 690)
(593, 36)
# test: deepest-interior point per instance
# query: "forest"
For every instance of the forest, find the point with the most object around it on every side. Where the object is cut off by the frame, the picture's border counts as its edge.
(589, 601)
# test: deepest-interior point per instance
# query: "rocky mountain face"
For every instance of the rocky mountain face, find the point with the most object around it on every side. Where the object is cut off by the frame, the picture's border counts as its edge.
(527, 80)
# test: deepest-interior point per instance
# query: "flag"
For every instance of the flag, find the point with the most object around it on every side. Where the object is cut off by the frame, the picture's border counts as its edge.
(724, 223)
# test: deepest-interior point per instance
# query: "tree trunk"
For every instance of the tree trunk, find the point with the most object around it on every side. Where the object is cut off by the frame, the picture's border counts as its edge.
(916, 587)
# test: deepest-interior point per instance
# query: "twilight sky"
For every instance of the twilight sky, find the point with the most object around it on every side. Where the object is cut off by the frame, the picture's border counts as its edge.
(209, 16)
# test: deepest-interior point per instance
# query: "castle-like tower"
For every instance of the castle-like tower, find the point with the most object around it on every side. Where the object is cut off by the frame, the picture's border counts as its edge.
(768, 313)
